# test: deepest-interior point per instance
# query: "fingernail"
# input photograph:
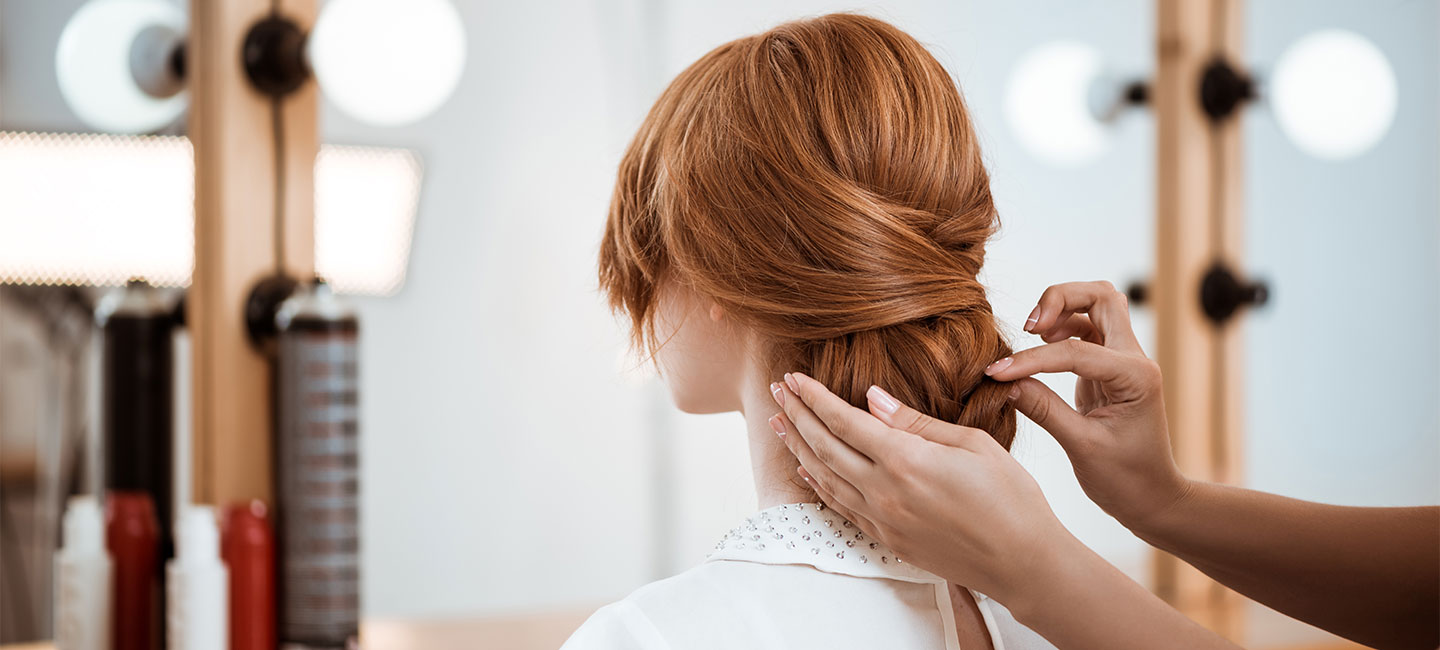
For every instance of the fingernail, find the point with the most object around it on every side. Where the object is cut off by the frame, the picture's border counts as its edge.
(790, 381)
(999, 365)
(803, 474)
(777, 425)
(1014, 393)
(1033, 319)
(882, 399)
(779, 393)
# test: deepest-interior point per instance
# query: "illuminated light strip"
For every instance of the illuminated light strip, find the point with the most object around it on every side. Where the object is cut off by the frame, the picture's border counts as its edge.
(365, 203)
(82, 209)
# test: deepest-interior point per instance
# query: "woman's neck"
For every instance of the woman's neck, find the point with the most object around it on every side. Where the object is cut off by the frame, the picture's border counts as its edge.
(775, 479)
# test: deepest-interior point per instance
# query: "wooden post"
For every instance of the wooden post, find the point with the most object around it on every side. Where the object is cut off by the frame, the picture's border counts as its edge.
(231, 128)
(1198, 221)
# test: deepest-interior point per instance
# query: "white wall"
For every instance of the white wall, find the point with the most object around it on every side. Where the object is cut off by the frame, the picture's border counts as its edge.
(505, 460)
(1343, 367)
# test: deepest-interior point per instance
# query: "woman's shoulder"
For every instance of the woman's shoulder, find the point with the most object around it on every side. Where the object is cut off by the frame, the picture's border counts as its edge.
(630, 623)
(618, 626)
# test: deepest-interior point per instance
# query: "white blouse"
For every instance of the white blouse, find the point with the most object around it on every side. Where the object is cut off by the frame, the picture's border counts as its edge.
(795, 576)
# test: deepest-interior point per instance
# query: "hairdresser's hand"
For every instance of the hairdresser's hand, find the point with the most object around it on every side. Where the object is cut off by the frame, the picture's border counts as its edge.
(946, 498)
(1116, 435)
(951, 500)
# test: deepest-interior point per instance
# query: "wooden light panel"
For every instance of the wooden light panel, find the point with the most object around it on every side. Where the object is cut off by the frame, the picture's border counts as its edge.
(231, 128)
(1198, 220)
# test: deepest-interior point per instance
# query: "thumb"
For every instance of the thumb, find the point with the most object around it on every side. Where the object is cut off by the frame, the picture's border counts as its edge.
(892, 412)
(1047, 409)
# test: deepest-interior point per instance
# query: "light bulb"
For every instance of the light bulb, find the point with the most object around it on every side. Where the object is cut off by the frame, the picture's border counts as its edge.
(1334, 94)
(388, 62)
(1048, 103)
(96, 64)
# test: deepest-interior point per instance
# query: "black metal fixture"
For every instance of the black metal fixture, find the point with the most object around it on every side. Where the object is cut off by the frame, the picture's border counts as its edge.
(1222, 293)
(1138, 292)
(1137, 93)
(274, 56)
(263, 304)
(1223, 88)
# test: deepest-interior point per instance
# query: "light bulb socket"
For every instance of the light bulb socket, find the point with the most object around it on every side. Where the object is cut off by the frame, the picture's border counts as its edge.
(262, 306)
(274, 56)
(1223, 88)
(157, 61)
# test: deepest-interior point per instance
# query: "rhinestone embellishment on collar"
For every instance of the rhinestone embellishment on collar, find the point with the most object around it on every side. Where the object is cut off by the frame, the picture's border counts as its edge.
(810, 529)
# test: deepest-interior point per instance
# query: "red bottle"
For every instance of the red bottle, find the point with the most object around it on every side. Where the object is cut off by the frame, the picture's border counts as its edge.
(248, 547)
(132, 535)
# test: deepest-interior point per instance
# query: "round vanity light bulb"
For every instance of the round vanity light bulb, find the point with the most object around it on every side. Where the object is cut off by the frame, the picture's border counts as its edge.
(1334, 94)
(387, 62)
(93, 63)
(1048, 103)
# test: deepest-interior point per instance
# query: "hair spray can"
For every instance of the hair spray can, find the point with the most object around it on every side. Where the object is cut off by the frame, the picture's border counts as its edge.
(132, 535)
(137, 379)
(248, 546)
(317, 470)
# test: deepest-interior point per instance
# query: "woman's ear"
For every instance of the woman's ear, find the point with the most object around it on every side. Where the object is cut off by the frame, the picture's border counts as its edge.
(717, 313)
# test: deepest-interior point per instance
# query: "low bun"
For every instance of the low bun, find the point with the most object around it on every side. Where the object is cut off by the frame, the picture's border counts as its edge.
(823, 183)
(935, 365)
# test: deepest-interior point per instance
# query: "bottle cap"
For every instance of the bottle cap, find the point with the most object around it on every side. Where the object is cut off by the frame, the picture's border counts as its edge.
(245, 523)
(84, 525)
(197, 539)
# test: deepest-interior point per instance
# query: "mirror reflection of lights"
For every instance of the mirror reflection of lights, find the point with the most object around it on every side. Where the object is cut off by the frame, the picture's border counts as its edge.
(1334, 94)
(365, 203)
(386, 62)
(137, 215)
(1048, 103)
(96, 58)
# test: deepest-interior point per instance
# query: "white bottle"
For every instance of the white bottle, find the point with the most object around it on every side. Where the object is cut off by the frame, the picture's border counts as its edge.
(82, 579)
(197, 585)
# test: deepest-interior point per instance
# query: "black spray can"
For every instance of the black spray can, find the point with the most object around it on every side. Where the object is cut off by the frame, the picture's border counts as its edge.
(137, 381)
(317, 470)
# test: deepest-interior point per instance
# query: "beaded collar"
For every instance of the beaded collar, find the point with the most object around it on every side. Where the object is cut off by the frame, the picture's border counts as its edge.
(811, 534)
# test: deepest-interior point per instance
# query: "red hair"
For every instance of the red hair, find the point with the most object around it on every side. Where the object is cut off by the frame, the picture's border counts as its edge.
(822, 183)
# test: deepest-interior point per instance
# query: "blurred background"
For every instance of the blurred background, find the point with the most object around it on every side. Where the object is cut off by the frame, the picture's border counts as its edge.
(516, 461)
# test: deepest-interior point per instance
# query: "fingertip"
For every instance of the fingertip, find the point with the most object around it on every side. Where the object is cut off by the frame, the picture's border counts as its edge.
(777, 391)
(881, 401)
(800, 469)
(999, 366)
(777, 422)
(792, 383)
(1033, 319)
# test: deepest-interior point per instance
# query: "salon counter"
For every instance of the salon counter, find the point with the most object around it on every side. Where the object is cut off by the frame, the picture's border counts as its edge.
(538, 631)
(548, 630)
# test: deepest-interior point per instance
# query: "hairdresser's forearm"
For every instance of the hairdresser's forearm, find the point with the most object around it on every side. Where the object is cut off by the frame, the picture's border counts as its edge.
(1369, 574)
(1075, 599)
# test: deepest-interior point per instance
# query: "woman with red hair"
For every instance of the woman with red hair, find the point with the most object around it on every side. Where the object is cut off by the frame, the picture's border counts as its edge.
(812, 198)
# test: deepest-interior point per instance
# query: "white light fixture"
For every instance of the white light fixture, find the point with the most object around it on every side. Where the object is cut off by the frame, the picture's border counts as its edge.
(104, 46)
(1334, 94)
(136, 216)
(1048, 103)
(386, 62)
